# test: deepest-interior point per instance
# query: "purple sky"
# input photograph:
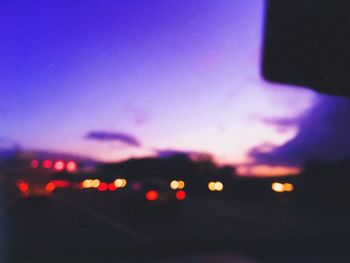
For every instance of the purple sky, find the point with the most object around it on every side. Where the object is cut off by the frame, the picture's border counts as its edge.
(180, 75)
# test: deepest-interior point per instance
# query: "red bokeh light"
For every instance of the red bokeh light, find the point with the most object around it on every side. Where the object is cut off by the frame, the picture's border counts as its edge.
(61, 183)
(23, 187)
(47, 164)
(102, 187)
(34, 164)
(180, 195)
(112, 187)
(50, 187)
(71, 166)
(59, 165)
(152, 195)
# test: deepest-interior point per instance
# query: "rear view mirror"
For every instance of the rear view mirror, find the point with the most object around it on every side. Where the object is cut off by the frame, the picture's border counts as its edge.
(307, 43)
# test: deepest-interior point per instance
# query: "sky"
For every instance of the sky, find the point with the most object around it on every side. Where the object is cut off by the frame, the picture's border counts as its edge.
(112, 80)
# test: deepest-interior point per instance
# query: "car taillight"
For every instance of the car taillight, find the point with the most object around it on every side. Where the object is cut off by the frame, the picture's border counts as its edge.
(112, 187)
(50, 187)
(180, 195)
(23, 187)
(102, 187)
(151, 195)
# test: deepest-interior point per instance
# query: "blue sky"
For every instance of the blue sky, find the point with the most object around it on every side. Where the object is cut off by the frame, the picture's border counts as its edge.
(182, 75)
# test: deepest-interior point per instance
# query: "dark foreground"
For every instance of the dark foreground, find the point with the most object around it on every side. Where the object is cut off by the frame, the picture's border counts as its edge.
(105, 227)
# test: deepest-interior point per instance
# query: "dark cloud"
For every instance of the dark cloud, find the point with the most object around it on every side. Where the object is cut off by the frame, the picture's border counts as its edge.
(113, 136)
(282, 122)
(324, 134)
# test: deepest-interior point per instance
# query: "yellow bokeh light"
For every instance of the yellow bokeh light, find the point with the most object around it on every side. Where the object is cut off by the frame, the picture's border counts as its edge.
(174, 184)
(95, 183)
(87, 183)
(124, 182)
(211, 186)
(219, 186)
(120, 183)
(181, 185)
(288, 187)
(277, 187)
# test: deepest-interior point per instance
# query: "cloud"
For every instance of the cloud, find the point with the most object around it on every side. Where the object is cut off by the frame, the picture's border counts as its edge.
(324, 134)
(282, 122)
(113, 137)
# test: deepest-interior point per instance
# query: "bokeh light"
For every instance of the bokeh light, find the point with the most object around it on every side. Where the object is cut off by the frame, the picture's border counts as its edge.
(71, 166)
(151, 195)
(95, 183)
(174, 184)
(50, 187)
(288, 187)
(181, 184)
(180, 195)
(277, 187)
(211, 186)
(59, 165)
